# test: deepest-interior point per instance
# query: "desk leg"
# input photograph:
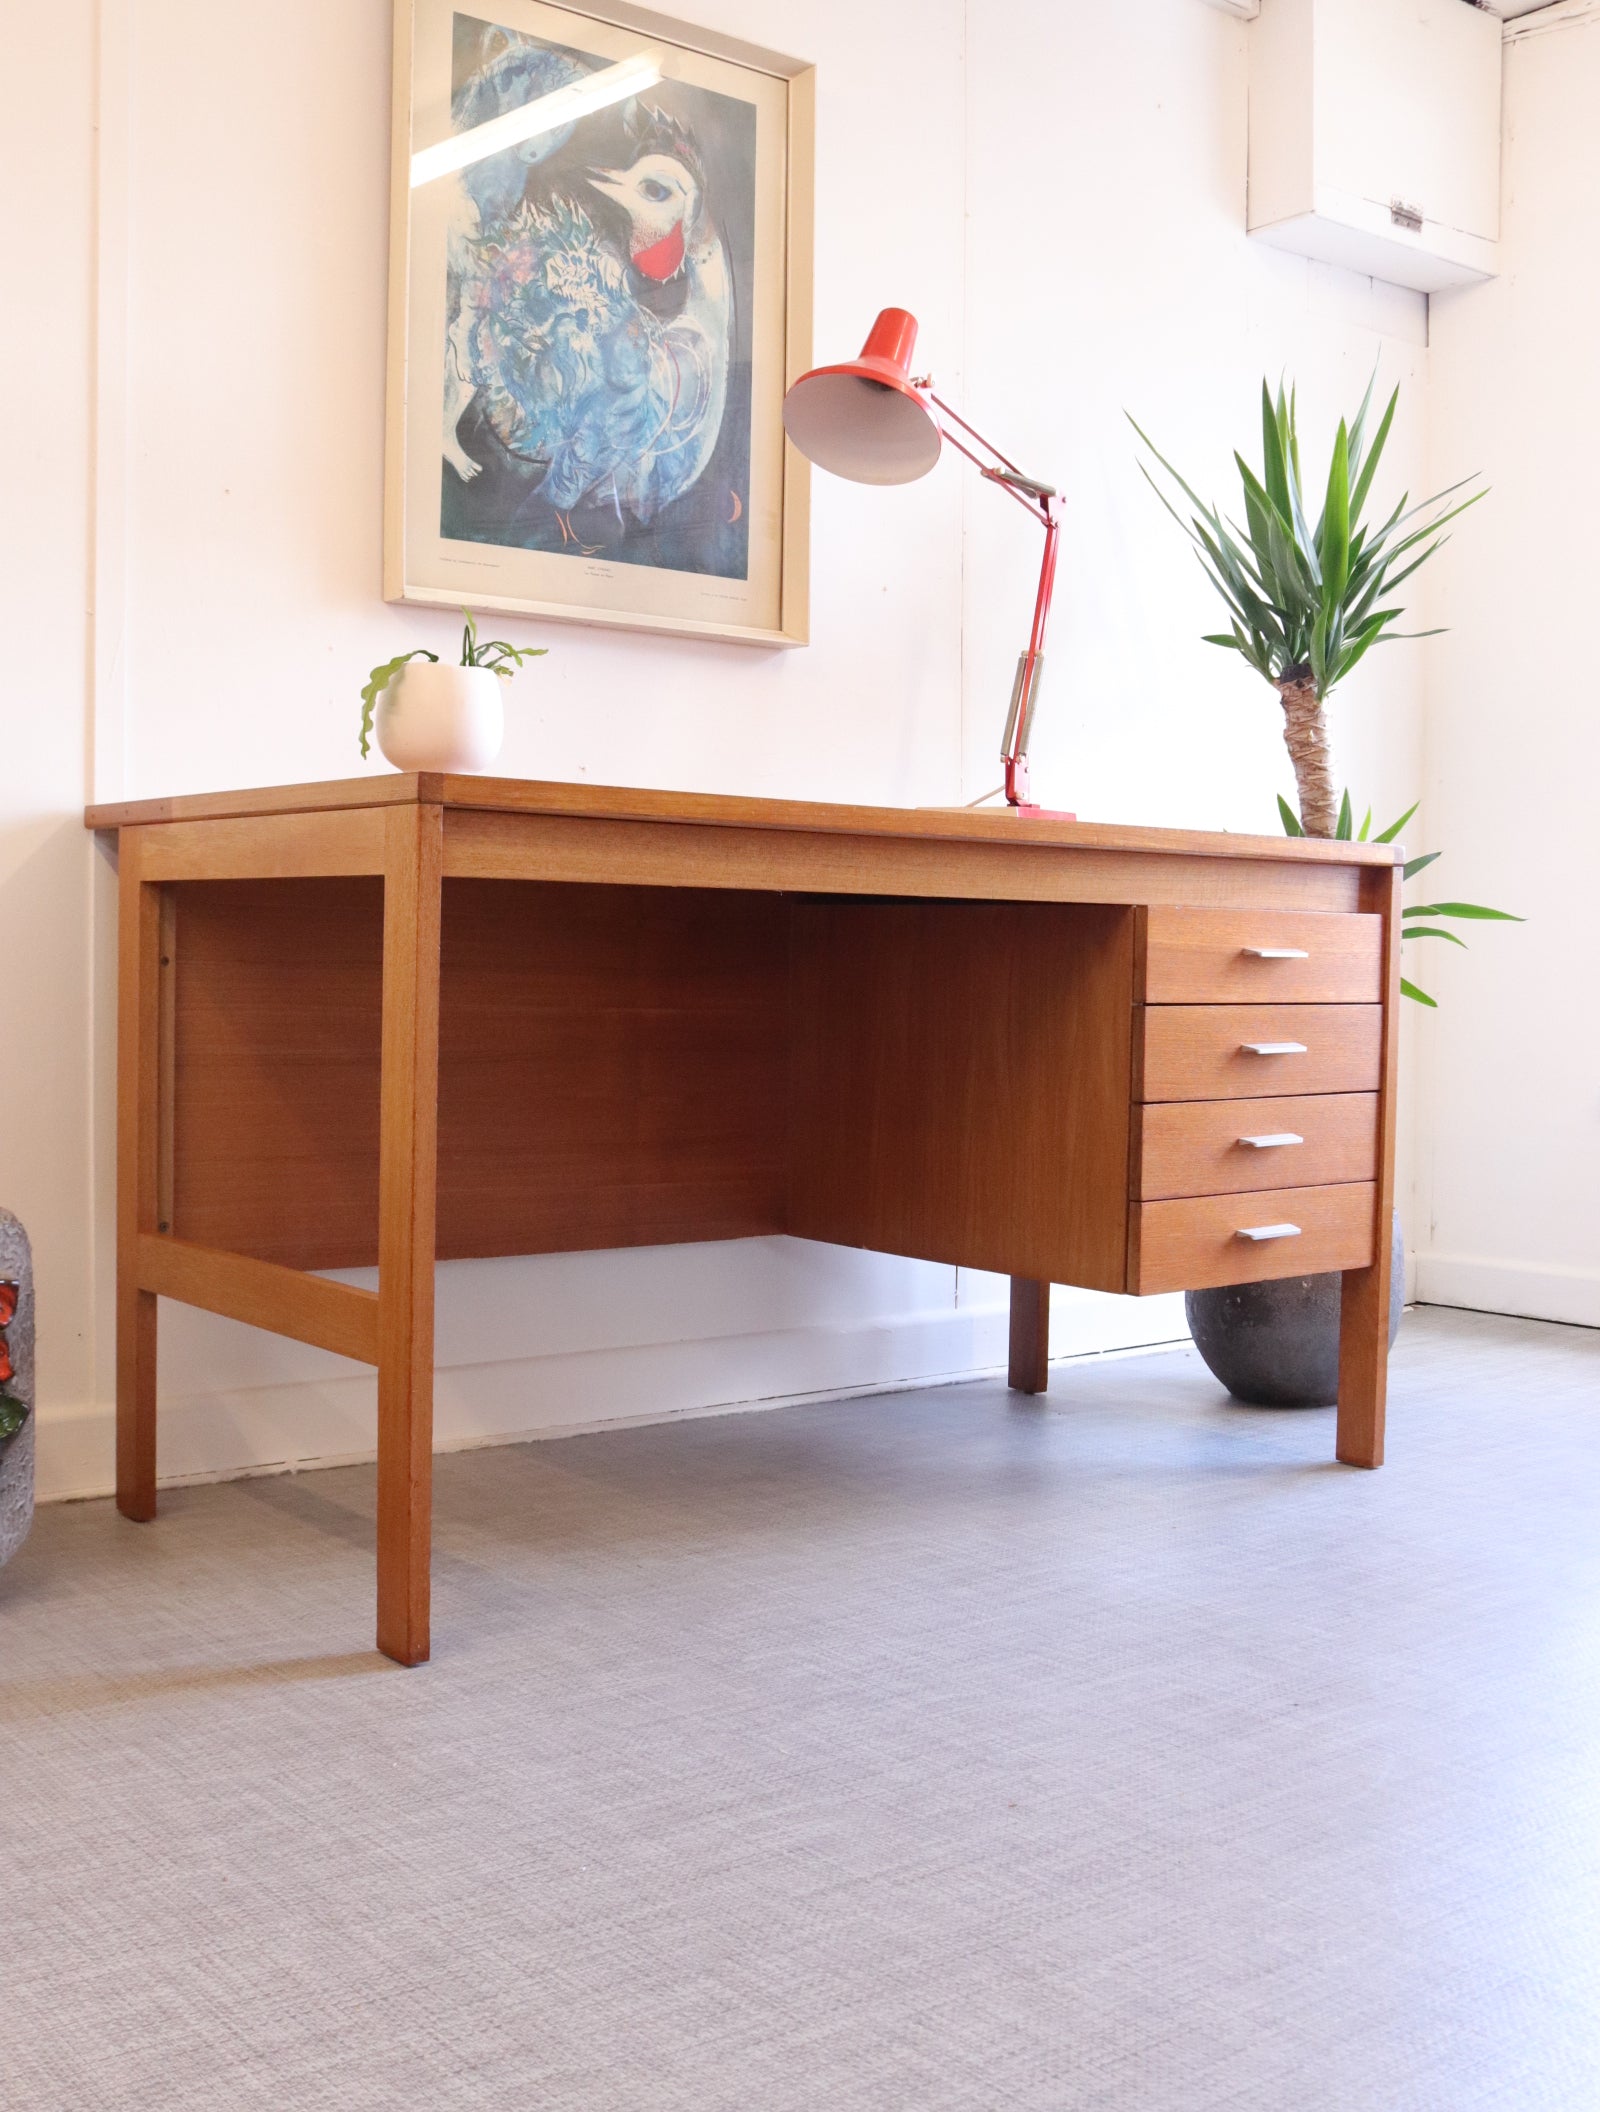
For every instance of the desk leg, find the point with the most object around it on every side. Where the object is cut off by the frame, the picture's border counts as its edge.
(138, 1164)
(1030, 1336)
(406, 1194)
(1363, 1362)
(1364, 1294)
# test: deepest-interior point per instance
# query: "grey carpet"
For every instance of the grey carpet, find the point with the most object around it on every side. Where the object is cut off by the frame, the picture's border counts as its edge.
(931, 1753)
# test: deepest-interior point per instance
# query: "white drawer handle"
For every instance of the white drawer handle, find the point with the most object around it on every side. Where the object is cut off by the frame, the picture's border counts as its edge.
(1273, 1048)
(1276, 953)
(1268, 1232)
(1284, 1136)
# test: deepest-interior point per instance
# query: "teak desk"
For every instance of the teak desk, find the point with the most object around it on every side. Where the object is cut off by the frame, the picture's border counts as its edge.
(405, 1017)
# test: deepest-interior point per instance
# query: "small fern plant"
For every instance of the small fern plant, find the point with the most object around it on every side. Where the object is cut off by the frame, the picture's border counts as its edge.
(493, 653)
(1414, 916)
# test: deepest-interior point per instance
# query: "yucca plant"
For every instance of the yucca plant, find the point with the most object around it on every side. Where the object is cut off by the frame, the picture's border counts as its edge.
(1306, 604)
(1413, 915)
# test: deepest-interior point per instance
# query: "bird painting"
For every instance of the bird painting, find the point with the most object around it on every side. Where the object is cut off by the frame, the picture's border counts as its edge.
(596, 397)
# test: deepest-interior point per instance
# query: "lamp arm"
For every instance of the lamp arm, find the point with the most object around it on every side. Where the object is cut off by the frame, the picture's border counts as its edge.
(1045, 505)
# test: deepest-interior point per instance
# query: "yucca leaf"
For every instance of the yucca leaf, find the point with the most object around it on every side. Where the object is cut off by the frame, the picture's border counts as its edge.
(1409, 989)
(1239, 613)
(1188, 490)
(1243, 541)
(1389, 834)
(1354, 656)
(1309, 544)
(1429, 931)
(1366, 824)
(1274, 466)
(1368, 469)
(1283, 558)
(1422, 505)
(1463, 909)
(1291, 820)
(1387, 581)
(1346, 819)
(1358, 425)
(1413, 866)
(1161, 495)
(1429, 528)
(1335, 543)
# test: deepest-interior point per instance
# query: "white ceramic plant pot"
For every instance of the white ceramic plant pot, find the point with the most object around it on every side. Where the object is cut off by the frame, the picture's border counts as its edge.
(433, 717)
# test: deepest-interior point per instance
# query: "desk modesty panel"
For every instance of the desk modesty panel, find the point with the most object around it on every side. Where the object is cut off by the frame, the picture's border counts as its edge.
(406, 1018)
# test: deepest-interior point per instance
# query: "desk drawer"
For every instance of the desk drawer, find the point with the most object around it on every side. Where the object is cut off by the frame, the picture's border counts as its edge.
(1228, 1147)
(1246, 1052)
(1240, 957)
(1198, 1242)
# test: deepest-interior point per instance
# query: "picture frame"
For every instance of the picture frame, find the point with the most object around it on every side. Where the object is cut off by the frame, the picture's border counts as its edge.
(590, 331)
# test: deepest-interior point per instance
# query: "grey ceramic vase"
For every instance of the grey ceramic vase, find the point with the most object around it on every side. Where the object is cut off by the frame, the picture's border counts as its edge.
(16, 1457)
(1276, 1345)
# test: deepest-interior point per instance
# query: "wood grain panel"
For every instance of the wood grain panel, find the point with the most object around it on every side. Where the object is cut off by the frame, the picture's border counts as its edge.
(1194, 1244)
(1200, 957)
(497, 846)
(961, 1084)
(1195, 1147)
(1198, 1052)
(611, 1070)
(277, 1020)
(269, 847)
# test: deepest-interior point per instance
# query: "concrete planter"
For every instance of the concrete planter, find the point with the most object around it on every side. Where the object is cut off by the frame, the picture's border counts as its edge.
(16, 1454)
(1276, 1345)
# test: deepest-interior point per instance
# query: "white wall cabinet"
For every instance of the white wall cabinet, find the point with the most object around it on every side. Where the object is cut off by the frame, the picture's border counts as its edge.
(1375, 136)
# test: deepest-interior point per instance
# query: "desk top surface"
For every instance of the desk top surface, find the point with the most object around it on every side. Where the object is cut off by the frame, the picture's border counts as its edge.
(533, 796)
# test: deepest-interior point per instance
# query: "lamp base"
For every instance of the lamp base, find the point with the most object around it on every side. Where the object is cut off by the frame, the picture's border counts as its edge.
(1027, 813)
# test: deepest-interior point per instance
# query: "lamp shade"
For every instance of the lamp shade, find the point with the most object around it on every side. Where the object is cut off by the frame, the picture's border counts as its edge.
(866, 420)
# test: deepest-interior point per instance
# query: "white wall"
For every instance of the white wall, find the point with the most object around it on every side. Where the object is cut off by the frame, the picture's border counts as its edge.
(46, 421)
(1057, 191)
(1512, 1161)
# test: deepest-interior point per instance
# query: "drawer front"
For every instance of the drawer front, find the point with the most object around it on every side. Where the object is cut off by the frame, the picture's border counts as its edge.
(1242, 957)
(1246, 1052)
(1227, 1147)
(1198, 1242)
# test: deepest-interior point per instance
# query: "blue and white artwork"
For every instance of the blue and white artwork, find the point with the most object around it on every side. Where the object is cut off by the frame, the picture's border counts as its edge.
(597, 371)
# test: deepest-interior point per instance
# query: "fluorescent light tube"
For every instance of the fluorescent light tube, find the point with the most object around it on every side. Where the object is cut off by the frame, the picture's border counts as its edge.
(613, 84)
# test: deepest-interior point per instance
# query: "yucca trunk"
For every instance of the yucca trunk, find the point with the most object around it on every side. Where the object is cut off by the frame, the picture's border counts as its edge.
(1305, 734)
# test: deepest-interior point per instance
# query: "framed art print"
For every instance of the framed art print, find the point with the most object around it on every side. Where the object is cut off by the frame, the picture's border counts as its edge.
(600, 287)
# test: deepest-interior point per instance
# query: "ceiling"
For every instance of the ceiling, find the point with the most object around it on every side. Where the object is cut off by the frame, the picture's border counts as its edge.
(1513, 7)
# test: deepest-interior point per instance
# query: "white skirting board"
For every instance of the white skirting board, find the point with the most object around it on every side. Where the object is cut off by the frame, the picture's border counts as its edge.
(329, 1418)
(1570, 1295)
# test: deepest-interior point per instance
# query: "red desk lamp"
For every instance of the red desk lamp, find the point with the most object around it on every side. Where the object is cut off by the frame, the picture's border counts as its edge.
(870, 421)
